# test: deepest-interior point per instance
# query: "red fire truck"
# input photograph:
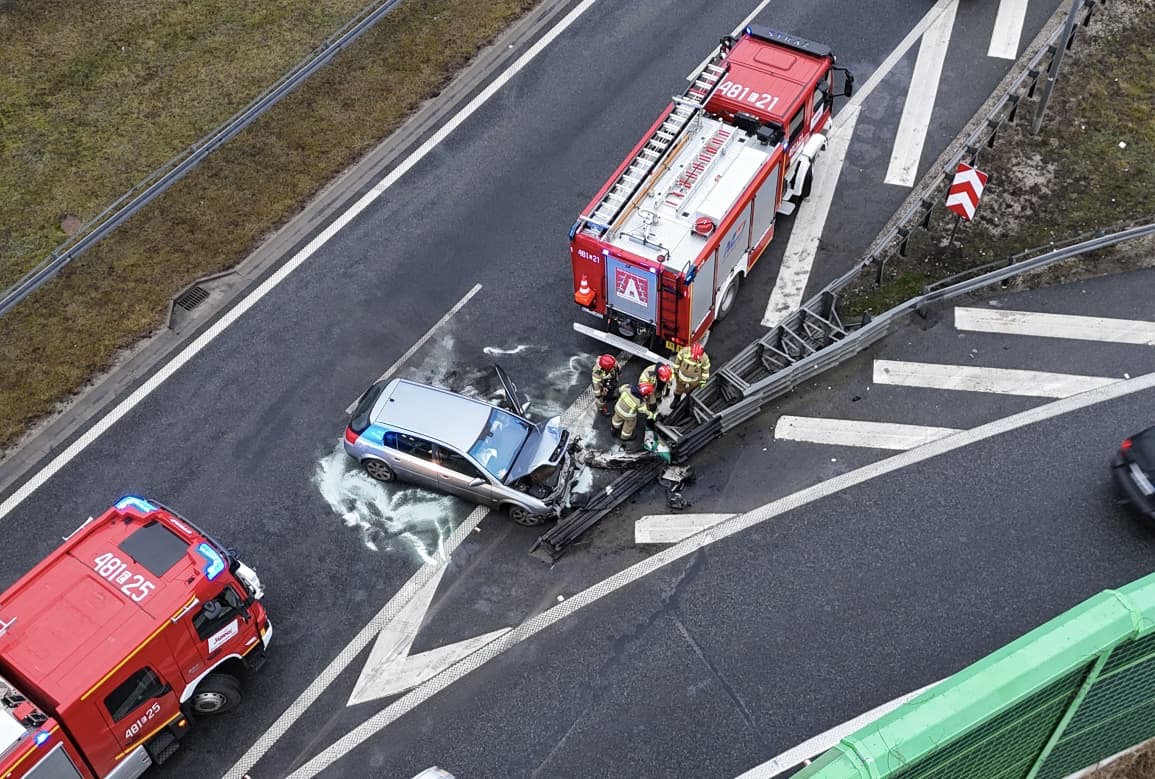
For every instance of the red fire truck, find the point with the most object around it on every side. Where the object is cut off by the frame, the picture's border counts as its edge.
(659, 253)
(112, 645)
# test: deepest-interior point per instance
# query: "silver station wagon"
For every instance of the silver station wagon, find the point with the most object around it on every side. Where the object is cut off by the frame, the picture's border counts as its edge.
(434, 438)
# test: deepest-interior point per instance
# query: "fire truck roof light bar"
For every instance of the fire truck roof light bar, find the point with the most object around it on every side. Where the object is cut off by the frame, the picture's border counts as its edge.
(132, 501)
(786, 39)
(215, 563)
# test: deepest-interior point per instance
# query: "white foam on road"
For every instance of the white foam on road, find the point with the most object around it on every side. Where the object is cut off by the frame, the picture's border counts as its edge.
(575, 603)
(851, 432)
(920, 97)
(1071, 326)
(973, 378)
(1008, 29)
(672, 528)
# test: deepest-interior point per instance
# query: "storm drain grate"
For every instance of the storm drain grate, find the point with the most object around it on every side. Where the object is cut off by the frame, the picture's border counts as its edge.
(192, 298)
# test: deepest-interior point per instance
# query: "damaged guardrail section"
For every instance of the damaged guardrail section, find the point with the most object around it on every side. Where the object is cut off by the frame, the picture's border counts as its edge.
(1074, 691)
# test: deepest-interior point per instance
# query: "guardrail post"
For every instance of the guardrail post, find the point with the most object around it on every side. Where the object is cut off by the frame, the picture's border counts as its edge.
(1084, 688)
(1056, 63)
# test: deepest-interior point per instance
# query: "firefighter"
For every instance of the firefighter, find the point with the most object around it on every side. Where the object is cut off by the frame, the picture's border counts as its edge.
(605, 381)
(632, 401)
(691, 369)
(660, 376)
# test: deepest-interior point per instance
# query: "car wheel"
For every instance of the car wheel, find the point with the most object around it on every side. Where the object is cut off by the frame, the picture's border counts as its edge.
(729, 295)
(378, 470)
(216, 694)
(523, 516)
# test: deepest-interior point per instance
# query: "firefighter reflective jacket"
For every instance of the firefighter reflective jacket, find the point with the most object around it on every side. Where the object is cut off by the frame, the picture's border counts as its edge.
(629, 404)
(689, 370)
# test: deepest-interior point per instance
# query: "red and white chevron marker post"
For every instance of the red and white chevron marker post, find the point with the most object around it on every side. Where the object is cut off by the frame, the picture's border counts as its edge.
(965, 191)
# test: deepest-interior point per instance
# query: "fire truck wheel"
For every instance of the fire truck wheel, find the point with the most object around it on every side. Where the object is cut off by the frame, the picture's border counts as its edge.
(729, 295)
(807, 183)
(378, 470)
(216, 694)
(522, 516)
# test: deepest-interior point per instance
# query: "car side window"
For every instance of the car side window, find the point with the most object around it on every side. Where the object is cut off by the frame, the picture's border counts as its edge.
(133, 691)
(457, 462)
(411, 445)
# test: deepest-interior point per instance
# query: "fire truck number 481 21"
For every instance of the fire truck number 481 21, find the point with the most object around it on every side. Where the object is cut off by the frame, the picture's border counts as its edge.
(116, 571)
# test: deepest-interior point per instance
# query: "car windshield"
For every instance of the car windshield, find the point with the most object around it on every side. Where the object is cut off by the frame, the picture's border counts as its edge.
(500, 441)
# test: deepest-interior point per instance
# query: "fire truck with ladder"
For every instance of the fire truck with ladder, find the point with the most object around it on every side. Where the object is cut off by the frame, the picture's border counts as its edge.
(659, 253)
(114, 644)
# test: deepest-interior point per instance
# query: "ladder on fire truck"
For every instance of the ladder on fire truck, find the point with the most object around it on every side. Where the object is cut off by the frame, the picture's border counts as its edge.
(653, 151)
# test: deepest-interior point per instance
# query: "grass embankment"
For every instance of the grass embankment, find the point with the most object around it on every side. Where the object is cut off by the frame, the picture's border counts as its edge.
(1091, 165)
(97, 96)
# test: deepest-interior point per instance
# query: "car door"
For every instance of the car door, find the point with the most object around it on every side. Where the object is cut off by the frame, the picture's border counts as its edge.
(136, 701)
(411, 458)
(457, 475)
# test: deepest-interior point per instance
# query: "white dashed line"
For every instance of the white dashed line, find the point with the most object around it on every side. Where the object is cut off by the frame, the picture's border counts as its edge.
(972, 378)
(1081, 328)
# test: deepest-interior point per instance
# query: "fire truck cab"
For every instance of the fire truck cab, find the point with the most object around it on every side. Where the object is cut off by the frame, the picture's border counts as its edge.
(659, 253)
(113, 644)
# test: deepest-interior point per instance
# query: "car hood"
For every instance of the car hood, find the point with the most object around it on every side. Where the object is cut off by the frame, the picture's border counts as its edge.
(541, 448)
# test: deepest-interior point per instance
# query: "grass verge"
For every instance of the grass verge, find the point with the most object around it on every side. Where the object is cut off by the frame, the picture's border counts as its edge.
(1091, 165)
(100, 105)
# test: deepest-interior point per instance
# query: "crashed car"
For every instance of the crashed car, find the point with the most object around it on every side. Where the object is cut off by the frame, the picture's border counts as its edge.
(435, 438)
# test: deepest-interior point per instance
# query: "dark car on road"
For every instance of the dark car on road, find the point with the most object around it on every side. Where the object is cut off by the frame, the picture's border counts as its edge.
(1134, 471)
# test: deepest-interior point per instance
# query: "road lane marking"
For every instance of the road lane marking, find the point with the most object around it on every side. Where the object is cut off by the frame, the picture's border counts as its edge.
(972, 378)
(852, 432)
(1008, 29)
(803, 244)
(672, 528)
(389, 612)
(915, 121)
(1082, 328)
(788, 279)
(827, 740)
(777, 508)
(390, 668)
(741, 26)
(229, 317)
(421, 341)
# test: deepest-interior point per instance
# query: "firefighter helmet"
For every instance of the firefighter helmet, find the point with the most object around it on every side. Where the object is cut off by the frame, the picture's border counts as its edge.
(645, 389)
(664, 372)
(607, 362)
(696, 351)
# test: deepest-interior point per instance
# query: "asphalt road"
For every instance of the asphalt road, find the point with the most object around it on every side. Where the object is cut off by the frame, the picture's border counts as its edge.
(241, 437)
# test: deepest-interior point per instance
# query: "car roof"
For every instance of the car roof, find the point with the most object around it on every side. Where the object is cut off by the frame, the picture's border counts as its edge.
(431, 412)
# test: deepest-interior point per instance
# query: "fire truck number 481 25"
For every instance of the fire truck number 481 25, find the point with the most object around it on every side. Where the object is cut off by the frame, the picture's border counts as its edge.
(116, 571)
(134, 729)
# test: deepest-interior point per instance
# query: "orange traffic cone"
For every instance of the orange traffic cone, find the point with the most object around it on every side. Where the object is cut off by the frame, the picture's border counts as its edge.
(584, 296)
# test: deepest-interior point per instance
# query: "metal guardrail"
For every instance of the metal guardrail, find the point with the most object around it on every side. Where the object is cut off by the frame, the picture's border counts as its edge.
(157, 182)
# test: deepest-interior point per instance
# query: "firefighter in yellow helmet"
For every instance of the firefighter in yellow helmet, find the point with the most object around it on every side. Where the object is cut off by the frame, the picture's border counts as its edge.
(605, 381)
(691, 369)
(632, 401)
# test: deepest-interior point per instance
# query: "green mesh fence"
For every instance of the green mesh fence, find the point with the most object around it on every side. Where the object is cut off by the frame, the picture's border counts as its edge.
(1069, 693)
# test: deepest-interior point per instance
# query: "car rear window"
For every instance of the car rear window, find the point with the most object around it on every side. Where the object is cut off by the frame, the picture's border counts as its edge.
(360, 419)
(155, 547)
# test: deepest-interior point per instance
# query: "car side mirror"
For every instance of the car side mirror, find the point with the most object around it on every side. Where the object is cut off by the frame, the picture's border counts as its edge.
(477, 482)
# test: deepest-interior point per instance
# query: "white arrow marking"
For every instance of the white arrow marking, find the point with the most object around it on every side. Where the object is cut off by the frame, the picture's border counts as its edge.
(1008, 29)
(802, 247)
(390, 668)
(915, 120)
(672, 528)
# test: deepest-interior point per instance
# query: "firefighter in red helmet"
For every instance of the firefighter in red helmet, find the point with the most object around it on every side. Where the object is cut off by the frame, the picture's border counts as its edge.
(691, 369)
(605, 381)
(632, 401)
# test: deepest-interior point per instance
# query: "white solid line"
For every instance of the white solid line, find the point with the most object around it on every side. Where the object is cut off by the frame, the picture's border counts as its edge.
(672, 528)
(741, 26)
(972, 378)
(396, 607)
(421, 341)
(1008, 29)
(915, 121)
(1080, 328)
(535, 625)
(815, 746)
(798, 259)
(853, 432)
(218, 327)
(862, 92)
